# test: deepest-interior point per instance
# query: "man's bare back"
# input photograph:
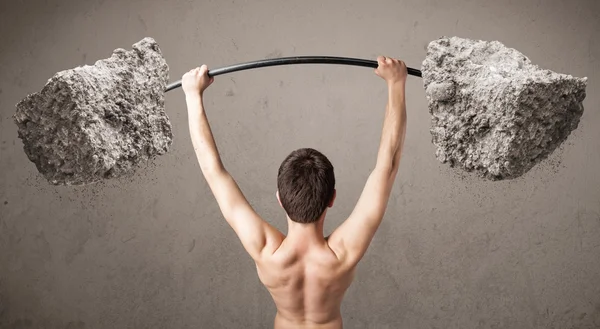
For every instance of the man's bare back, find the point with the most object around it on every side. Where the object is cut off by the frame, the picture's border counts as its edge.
(307, 282)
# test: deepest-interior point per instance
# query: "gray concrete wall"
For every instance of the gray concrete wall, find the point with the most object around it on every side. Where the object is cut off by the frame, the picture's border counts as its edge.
(153, 251)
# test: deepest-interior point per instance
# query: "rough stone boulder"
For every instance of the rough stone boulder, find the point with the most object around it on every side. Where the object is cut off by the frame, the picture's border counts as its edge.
(96, 122)
(493, 111)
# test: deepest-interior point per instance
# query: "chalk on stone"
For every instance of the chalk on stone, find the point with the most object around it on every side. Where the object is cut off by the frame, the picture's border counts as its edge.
(493, 111)
(97, 122)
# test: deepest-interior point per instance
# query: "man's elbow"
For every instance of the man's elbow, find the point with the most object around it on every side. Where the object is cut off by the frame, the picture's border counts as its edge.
(388, 168)
(213, 169)
(215, 177)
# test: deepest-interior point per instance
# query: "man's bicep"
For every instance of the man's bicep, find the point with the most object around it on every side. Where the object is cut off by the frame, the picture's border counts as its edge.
(373, 200)
(253, 232)
(227, 192)
(356, 233)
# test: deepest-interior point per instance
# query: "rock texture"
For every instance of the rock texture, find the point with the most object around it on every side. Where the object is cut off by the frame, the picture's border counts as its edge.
(493, 111)
(96, 122)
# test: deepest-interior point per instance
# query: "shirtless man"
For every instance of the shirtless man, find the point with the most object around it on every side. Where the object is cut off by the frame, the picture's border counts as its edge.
(306, 273)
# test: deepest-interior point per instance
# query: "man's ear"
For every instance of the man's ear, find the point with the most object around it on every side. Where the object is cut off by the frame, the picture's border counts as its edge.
(332, 199)
(279, 200)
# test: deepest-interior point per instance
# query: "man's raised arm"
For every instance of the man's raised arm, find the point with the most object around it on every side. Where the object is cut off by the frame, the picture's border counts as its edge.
(255, 234)
(351, 239)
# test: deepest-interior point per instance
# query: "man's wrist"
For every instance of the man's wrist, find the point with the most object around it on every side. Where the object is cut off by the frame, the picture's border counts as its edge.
(193, 97)
(194, 106)
(397, 84)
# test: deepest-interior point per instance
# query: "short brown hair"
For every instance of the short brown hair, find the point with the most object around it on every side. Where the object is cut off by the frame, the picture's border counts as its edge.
(306, 184)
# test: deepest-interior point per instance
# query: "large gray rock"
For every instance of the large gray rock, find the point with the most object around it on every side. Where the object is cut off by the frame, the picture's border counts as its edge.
(493, 111)
(96, 122)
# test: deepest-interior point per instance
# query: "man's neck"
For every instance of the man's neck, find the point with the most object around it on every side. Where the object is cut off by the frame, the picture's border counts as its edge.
(306, 233)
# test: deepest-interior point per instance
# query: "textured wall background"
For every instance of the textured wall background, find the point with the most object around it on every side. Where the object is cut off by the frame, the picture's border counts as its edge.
(152, 251)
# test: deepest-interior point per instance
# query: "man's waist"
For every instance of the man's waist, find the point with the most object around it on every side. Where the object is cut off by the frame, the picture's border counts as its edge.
(283, 320)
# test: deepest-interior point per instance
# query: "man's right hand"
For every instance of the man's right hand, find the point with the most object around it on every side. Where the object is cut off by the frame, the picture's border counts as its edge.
(391, 70)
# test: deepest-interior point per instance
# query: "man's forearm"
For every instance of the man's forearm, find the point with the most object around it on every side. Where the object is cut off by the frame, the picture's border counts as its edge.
(394, 126)
(202, 137)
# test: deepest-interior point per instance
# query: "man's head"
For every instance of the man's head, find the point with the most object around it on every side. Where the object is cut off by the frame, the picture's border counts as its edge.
(305, 185)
